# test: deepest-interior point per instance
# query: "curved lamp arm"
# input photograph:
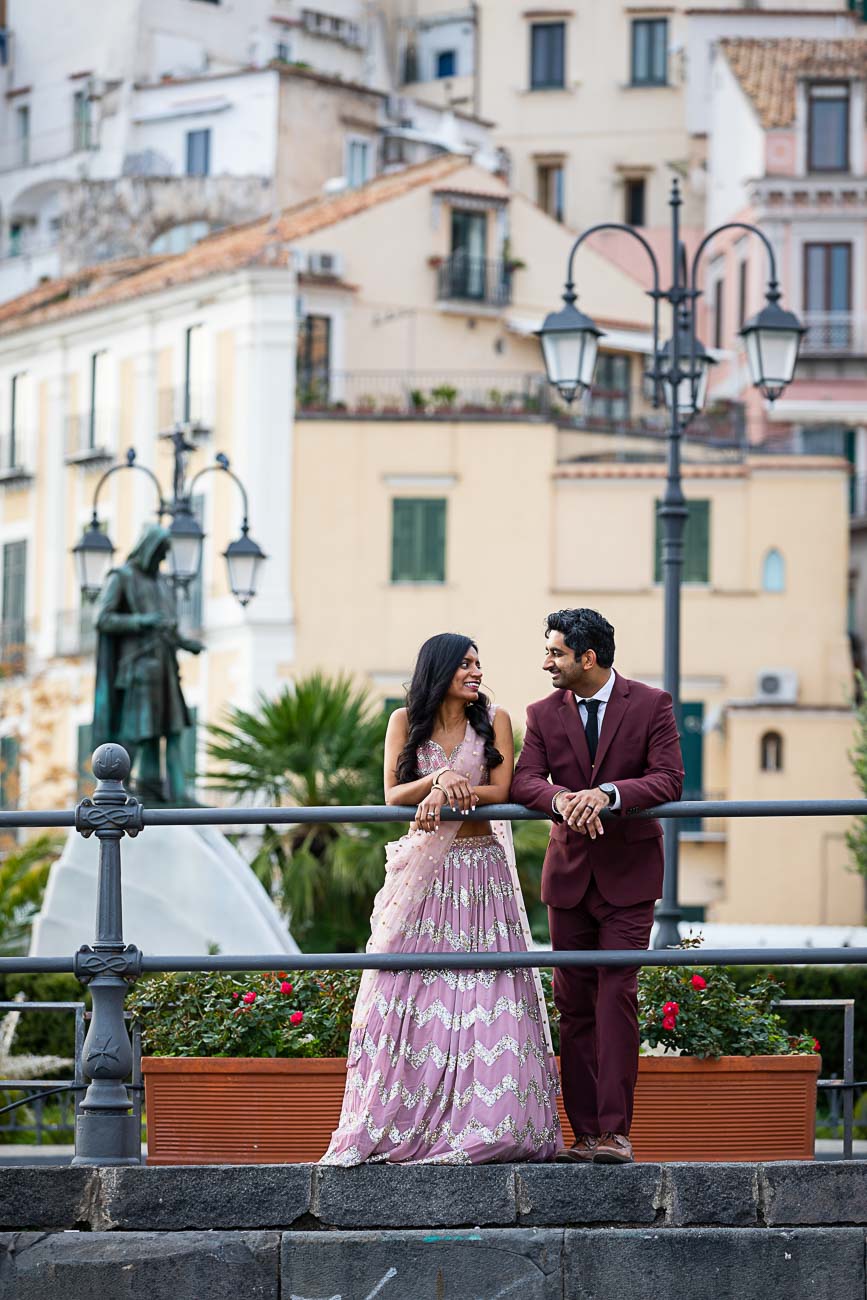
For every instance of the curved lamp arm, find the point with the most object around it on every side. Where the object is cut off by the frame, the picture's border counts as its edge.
(129, 463)
(222, 466)
(569, 294)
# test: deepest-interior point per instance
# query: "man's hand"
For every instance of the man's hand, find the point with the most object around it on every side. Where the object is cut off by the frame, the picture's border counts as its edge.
(581, 810)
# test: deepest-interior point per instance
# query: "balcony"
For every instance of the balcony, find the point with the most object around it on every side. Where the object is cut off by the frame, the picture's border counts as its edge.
(13, 647)
(461, 278)
(76, 632)
(89, 438)
(834, 334)
(186, 406)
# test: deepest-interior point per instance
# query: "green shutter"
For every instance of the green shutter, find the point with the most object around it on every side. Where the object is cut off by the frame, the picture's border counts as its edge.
(692, 749)
(696, 543)
(14, 627)
(9, 774)
(418, 540)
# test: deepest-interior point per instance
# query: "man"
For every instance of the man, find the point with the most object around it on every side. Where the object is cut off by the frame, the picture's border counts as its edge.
(598, 742)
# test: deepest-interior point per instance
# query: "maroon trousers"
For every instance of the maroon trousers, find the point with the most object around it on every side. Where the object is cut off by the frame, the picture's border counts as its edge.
(598, 1012)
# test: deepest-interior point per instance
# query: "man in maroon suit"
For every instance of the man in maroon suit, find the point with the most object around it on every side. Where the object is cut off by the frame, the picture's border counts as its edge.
(598, 742)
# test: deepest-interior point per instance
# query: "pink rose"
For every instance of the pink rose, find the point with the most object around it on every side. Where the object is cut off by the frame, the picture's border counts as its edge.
(699, 982)
(296, 1017)
(285, 987)
(236, 995)
(249, 998)
(669, 1022)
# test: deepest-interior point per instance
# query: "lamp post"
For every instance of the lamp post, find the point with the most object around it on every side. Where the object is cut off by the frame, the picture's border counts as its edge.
(243, 556)
(679, 373)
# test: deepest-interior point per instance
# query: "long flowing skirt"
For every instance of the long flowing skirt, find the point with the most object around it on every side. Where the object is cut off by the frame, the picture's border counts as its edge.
(453, 1066)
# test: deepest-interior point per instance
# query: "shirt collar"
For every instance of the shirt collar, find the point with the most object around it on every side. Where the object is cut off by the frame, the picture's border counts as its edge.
(603, 695)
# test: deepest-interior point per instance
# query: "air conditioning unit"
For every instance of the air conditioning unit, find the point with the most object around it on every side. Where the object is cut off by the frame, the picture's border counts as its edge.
(325, 264)
(777, 686)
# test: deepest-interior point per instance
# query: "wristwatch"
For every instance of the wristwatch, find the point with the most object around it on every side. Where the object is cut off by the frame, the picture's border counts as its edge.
(610, 790)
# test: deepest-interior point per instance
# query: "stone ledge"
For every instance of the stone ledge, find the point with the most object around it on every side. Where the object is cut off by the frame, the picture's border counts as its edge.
(309, 1197)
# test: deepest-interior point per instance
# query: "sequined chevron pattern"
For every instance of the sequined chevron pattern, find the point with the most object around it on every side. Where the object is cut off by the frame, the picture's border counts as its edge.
(452, 1066)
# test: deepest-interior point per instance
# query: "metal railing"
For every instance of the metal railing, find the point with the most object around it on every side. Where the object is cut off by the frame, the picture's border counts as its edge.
(107, 1130)
(834, 332)
(76, 632)
(461, 278)
(90, 436)
(16, 461)
(184, 405)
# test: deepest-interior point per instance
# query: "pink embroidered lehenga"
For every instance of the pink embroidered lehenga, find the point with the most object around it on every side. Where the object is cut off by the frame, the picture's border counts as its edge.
(449, 1067)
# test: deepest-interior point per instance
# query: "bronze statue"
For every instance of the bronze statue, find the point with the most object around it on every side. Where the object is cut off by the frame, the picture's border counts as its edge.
(138, 697)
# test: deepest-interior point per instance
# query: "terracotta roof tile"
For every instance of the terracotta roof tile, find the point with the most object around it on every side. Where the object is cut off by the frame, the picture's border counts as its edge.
(263, 242)
(769, 70)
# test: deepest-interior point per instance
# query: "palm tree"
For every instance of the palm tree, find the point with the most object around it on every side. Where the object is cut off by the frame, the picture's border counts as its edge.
(23, 877)
(316, 743)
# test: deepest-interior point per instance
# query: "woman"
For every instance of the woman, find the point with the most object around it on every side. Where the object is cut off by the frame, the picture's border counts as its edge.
(451, 1067)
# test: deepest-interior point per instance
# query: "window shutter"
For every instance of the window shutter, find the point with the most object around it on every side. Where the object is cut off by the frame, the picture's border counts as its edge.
(696, 551)
(9, 775)
(418, 540)
(14, 599)
(402, 541)
(434, 553)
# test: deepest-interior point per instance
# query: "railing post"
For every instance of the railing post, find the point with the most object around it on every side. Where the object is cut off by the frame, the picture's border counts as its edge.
(105, 1131)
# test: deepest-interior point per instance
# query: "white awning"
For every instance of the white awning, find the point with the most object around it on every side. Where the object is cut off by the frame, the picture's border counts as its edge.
(615, 340)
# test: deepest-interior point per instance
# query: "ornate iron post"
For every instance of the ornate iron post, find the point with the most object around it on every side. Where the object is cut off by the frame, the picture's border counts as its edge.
(106, 1133)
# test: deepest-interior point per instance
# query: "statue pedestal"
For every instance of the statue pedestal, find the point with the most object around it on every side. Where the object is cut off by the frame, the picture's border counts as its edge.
(185, 888)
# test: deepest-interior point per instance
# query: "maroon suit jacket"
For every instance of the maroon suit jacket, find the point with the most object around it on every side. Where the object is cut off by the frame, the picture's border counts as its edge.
(639, 750)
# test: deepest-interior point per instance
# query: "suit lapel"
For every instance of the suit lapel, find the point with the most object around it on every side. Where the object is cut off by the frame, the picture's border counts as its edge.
(615, 710)
(570, 720)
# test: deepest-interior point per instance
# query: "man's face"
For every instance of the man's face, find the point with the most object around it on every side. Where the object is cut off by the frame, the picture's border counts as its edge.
(566, 672)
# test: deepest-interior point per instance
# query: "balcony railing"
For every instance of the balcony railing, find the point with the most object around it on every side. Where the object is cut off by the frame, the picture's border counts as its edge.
(186, 406)
(76, 633)
(13, 647)
(90, 436)
(15, 458)
(832, 333)
(461, 278)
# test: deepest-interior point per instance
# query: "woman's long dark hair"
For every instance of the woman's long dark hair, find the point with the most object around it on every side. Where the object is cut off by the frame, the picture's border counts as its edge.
(438, 661)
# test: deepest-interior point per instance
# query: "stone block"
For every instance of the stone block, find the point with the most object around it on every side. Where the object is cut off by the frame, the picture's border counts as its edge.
(174, 1198)
(714, 1264)
(51, 1196)
(414, 1196)
(718, 1195)
(469, 1265)
(826, 1192)
(128, 1266)
(564, 1195)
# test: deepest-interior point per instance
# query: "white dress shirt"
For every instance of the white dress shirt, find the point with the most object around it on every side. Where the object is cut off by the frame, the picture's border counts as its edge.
(603, 695)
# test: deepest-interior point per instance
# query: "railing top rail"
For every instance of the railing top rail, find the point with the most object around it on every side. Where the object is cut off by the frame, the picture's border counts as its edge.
(236, 816)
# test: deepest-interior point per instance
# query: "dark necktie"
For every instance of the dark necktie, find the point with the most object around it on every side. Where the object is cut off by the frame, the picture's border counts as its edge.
(591, 731)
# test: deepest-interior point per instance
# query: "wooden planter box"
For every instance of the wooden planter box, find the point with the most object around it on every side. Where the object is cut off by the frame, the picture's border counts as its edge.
(239, 1111)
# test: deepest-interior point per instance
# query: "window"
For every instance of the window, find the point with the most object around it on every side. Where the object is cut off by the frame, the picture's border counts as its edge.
(282, 53)
(98, 416)
(828, 129)
(634, 192)
(191, 598)
(199, 152)
(81, 123)
(609, 396)
(549, 189)
(22, 131)
(547, 56)
(771, 752)
(692, 749)
(177, 239)
(13, 627)
(313, 361)
(774, 571)
(10, 780)
(828, 294)
(717, 301)
(19, 393)
(743, 287)
(649, 51)
(467, 269)
(194, 376)
(696, 543)
(16, 238)
(418, 539)
(446, 63)
(84, 783)
(357, 162)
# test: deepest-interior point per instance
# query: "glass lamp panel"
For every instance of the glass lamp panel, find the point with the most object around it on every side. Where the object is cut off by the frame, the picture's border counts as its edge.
(779, 353)
(242, 574)
(93, 566)
(562, 352)
(185, 554)
(588, 359)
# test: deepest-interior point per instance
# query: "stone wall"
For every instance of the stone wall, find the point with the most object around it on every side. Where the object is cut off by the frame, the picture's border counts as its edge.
(702, 1232)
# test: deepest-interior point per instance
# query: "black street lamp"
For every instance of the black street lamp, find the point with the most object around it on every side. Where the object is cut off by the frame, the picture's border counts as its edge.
(94, 551)
(679, 373)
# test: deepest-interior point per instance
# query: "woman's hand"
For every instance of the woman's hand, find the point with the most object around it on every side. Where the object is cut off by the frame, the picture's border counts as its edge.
(458, 791)
(427, 817)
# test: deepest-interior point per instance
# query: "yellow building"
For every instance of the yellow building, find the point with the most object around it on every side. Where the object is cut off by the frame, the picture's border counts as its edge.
(424, 481)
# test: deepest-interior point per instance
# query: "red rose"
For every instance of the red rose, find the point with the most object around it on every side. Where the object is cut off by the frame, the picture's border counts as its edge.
(817, 1046)
(671, 1009)
(281, 974)
(669, 1022)
(699, 982)
(248, 998)
(296, 1017)
(285, 987)
(236, 995)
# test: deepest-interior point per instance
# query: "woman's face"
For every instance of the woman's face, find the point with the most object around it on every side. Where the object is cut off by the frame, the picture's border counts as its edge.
(467, 681)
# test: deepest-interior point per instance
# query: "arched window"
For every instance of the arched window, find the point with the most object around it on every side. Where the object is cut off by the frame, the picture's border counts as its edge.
(177, 239)
(774, 572)
(771, 746)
